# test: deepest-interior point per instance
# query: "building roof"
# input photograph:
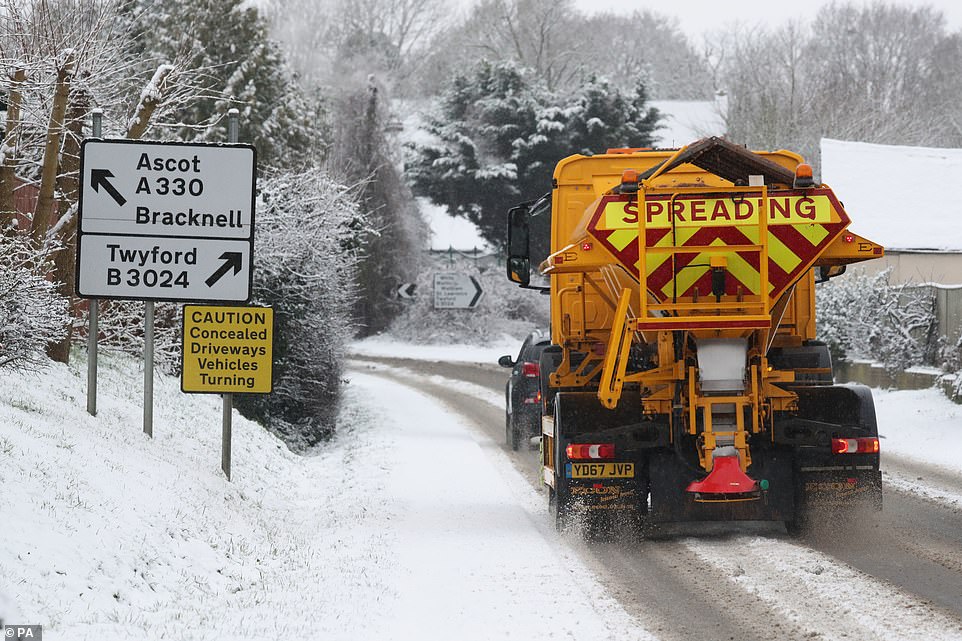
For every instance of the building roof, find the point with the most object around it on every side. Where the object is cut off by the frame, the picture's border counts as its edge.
(901, 197)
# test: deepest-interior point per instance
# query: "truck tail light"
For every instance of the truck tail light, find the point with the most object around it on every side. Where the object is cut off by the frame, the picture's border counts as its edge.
(582, 451)
(867, 445)
(531, 370)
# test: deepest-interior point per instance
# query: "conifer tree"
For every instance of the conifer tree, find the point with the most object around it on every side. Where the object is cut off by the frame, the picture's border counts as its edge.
(227, 42)
(498, 136)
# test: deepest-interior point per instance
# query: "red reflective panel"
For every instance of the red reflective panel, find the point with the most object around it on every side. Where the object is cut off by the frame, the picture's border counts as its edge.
(865, 445)
(576, 451)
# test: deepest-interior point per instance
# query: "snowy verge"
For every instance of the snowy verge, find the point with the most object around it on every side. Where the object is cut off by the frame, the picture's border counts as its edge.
(920, 425)
(403, 527)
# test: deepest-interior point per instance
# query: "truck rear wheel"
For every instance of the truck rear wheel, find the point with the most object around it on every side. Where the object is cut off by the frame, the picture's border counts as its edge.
(559, 511)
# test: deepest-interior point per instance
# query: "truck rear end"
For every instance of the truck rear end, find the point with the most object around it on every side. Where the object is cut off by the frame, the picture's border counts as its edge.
(685, 381)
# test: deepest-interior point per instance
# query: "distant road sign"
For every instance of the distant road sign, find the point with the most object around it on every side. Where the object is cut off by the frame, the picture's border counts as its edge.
(456, 291)
(406, 290)
(166, 221)
(227, 349)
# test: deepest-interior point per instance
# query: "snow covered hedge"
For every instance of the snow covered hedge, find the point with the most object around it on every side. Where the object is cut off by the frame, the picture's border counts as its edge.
(32, 313)
(306, 257)
(863, 315)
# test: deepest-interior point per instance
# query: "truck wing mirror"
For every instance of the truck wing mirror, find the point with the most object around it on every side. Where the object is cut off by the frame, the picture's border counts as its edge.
(519, 258)
(824, 272)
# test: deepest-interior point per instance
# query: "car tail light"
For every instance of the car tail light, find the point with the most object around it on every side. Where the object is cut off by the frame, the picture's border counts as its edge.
(855, 445)
(531, 370)
(576, 451)
(534, 398)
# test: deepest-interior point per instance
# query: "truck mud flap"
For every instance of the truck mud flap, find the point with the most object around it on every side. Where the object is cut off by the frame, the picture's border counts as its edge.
(671, 503)
(840, 489)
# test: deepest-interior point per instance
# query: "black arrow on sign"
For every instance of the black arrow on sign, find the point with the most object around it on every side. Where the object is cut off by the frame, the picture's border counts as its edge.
(98, 179)
(477, 295)
(231, 259)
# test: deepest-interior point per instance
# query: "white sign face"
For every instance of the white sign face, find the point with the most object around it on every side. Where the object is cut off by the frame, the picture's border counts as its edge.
(161, 189)
(146, 268)
(150, 211)
(456, 291)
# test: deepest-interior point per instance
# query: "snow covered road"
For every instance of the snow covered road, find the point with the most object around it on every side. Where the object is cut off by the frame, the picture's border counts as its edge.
(901, 580)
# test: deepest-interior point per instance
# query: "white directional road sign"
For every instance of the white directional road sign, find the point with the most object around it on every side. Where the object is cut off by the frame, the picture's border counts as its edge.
(456, 291)
(166, 221)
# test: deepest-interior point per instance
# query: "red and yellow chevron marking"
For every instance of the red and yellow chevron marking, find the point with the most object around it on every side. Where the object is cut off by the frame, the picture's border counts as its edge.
(801, 224)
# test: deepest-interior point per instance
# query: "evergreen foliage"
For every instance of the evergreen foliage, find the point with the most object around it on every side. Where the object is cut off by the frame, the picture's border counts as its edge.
(227, 45)
(498, 135)
(389, 251)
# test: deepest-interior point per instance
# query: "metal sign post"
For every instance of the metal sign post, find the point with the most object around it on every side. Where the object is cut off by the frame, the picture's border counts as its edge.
(233, 132)
(226, 350)
(149, 368)
(93, 309)
(164, 221)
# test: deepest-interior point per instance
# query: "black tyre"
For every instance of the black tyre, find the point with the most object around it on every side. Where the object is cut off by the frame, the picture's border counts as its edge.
(559, 511)
(514, 435)
(511, 437)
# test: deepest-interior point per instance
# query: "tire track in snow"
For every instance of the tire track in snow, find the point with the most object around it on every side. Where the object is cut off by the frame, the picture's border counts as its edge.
(829, 599)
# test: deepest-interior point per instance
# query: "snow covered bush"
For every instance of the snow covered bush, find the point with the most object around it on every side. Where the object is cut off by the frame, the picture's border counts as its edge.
(503, 309)
(863, 315)
(306, 256)
(32, 313)
(952, 366)
(121, 329)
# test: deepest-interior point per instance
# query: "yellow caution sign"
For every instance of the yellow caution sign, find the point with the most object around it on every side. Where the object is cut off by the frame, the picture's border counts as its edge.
(227, 349)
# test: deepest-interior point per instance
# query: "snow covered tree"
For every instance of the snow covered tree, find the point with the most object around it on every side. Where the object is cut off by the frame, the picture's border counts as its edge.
(389, 254)
(871, 72)
(333, 40)
(498, 135)
(473, 168)
(60, 58)
(599, 116)
(649, 45)
(563, 47)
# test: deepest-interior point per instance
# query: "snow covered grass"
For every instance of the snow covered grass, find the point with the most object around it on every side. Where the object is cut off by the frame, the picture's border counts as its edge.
(406, 526)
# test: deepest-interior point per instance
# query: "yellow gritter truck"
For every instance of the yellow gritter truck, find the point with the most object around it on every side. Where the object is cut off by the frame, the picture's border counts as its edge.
(685, 381)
